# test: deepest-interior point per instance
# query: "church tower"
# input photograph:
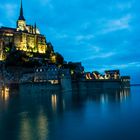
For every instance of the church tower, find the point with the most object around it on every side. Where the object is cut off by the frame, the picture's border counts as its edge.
(21, 23)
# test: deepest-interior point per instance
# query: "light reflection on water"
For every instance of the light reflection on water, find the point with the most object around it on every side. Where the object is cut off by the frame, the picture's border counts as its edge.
(61, 115)
(4, 93)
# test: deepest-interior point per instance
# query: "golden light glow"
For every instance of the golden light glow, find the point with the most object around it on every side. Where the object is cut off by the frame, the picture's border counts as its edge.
(1, 58)
(53, 59)
(96, 77)
(21, 25)
(88, 77)
(1, 51)
(42, 49)
(9, 34)
(53, 81)
(5, 93)
(35, 50)
(54, 102)
(25, 49)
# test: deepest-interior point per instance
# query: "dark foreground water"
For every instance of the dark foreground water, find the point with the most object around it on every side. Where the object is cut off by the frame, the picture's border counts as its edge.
(77, 115)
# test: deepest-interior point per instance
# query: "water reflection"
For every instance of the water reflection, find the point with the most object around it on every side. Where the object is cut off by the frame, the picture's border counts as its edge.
(54, 102)
(25, 131)
(30, 126)
(36, 115)
(4, 93)
(42, 124)
(106, 96)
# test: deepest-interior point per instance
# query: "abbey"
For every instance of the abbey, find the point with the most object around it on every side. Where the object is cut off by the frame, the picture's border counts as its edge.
(24, 37)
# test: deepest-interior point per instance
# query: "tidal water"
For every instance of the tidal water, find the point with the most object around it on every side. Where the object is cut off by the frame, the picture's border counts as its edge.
(73, 115)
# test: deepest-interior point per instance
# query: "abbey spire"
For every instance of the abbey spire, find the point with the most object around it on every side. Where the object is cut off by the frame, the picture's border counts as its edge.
(21, 16)
(21, 23)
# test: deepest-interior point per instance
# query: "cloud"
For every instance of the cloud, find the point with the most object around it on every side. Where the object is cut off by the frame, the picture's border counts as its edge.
(136, 64)
(99, 56)
(123, 6)
(61, 36)
(47, 3)
(8, 12)
(117, 24)
(10, 9)
(84, 37)
(93, 48)
(1, 24)
(86, 25)
(122, 67)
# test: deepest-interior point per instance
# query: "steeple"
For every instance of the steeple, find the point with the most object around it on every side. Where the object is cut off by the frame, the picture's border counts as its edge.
(21, 23)
(35, 27)
(21, 16)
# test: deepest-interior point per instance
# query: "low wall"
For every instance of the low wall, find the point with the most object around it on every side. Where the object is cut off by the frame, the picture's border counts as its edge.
(100, 84)
(67, 85)
(28, 88)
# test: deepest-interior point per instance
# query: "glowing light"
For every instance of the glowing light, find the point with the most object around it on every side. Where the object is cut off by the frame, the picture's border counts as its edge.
(54, 102)
(25, 49)
(53, 59)
(88, 77)
(95, 75)
(35, 50)
(5, 93)
(72, 72)
(9, 34)
(54, 82)
(42, 48)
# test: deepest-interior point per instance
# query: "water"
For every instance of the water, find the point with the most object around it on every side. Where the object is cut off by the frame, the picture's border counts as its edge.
(77, 115)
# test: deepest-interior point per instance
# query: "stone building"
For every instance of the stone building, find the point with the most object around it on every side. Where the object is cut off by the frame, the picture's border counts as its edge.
(24, 37)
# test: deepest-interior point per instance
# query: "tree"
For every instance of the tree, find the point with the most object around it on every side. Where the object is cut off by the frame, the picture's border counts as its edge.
(59, 58)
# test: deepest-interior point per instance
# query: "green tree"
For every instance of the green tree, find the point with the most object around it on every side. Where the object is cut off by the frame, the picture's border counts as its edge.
(59, 58)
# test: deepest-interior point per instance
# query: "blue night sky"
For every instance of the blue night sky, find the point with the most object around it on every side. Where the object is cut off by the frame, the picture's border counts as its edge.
(102, 34)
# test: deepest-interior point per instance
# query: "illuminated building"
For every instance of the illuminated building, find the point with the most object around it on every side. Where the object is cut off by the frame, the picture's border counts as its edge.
(24, 37)
(112, 74)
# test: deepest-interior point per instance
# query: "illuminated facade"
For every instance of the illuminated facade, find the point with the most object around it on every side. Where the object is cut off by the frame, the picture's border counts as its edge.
(24, 37)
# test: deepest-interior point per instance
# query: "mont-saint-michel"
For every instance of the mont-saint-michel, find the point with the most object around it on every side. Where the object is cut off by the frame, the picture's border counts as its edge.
(69, 70)
(27, 58)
